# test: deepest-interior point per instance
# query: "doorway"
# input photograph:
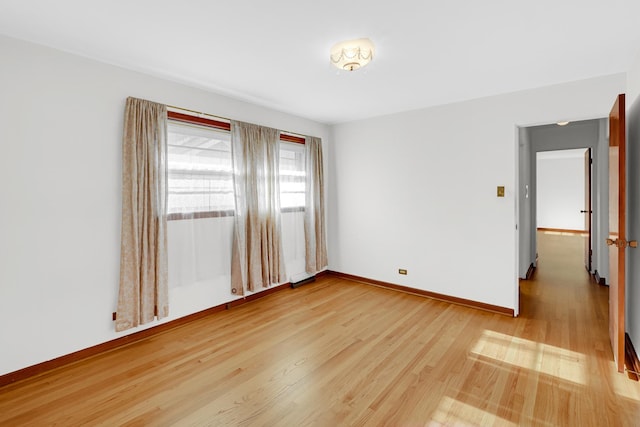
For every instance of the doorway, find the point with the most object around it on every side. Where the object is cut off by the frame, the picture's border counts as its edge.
(563, 186)
(561, 177)
(554, 138)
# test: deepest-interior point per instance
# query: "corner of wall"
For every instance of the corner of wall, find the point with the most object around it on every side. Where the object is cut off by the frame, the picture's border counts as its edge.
(633, 82)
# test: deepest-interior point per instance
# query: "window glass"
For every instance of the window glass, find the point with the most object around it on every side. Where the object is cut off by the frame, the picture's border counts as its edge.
(292, 176)
(200, 177)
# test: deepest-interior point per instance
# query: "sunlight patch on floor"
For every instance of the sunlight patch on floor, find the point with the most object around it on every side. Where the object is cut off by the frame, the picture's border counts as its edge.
(544, 358)
(564, 233)
(453, 412)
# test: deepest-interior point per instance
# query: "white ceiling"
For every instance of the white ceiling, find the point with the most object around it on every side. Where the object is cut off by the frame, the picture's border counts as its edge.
(275, 53)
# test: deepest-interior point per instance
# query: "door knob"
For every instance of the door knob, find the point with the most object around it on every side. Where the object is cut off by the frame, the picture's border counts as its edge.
(622, 243)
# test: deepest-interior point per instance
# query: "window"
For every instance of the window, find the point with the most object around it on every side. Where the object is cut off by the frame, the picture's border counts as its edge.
(200, 169)
(292, 177)
(200, 173)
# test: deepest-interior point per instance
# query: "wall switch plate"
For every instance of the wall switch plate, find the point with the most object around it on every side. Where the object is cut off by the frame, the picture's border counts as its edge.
(402, 271)
(501, 191)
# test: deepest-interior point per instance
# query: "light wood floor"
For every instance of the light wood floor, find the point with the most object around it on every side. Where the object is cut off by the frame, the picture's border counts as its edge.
(342, 353)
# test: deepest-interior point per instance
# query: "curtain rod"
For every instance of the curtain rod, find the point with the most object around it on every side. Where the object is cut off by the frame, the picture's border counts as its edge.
(198, 112)
(225, 118)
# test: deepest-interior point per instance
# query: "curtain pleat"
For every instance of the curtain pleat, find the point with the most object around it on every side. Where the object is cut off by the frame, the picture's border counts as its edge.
(257, 256)
(314, 222)
(143, 292)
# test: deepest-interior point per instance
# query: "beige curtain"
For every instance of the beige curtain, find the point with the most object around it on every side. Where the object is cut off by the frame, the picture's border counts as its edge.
(257, 258)
(314, 222)
(143, 254)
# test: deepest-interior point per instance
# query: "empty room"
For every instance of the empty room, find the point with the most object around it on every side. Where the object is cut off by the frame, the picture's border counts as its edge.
(319, 213)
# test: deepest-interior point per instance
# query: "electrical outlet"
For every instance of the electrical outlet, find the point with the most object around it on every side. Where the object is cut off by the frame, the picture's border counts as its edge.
(402, 271)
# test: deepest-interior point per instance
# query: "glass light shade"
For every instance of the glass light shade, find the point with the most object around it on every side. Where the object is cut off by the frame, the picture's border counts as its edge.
(352, 54)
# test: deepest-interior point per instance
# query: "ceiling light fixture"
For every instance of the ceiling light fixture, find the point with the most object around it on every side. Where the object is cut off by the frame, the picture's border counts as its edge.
(562, 123)
(352, 54)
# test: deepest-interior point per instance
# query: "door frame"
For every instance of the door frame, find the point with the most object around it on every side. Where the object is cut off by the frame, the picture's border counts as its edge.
(588, 210)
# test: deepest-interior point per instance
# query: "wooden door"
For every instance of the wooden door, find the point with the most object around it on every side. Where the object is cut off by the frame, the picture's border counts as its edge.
(588, 252)
(617, 236)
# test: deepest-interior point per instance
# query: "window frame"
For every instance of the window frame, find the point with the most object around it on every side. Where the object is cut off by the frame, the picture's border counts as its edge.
(204, 122)
(291, 208)
(287, 137)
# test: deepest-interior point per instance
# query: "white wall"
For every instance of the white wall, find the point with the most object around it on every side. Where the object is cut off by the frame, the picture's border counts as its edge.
(633, 206)
(60, 196)
(561, 189)
(417, 190)
(633, 82)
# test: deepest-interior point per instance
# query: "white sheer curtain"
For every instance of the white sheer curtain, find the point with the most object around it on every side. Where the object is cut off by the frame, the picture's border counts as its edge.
(292, 194)
(142, 295)
(200, 211)
(257, 257)
(314, 221)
